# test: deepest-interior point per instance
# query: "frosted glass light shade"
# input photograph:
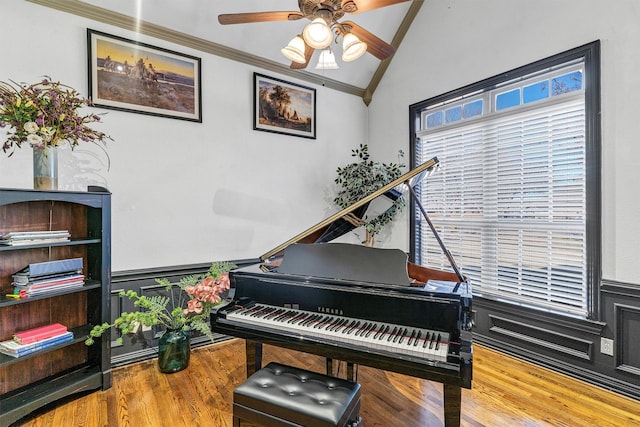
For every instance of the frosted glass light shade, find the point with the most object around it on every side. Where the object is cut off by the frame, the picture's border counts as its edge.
(352, 48)
(317, 34)
(327, 61)
(295, 50)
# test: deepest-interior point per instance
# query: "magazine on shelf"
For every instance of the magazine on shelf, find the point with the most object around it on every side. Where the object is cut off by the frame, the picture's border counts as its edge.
(47, 280)
(17, 235)
(14, 349)
(48, 268)
(16, 238)
(25, 242)
(49, 288)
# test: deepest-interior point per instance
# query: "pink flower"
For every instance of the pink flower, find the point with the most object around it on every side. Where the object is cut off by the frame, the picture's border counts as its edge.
(209, 289)
(223, 281)
(193, 306)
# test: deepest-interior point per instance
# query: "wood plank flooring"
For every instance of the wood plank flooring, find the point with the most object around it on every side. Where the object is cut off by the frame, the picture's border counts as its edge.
(506, 393)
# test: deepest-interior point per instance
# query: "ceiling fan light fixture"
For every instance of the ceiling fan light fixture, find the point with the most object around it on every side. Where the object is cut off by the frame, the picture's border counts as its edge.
(327, 61)
(294, 51)
(352, 48)
(317, 33)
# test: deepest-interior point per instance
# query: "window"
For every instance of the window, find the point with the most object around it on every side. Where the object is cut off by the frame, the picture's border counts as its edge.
(517, 197)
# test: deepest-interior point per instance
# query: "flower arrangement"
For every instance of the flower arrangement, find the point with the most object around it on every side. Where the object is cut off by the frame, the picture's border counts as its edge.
(190, 309)
(359, 179)
(45, 114)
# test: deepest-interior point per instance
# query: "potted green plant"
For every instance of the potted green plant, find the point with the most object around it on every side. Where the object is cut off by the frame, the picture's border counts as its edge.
(179, 314)
(361, 178)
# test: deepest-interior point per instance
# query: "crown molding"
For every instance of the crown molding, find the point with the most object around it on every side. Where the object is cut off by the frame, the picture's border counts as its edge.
(105, 16)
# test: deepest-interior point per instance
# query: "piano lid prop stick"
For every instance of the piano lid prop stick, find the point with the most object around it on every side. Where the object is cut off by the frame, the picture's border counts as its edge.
(435, 233)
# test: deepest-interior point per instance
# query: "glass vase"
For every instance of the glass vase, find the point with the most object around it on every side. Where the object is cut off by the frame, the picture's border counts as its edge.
(174, 350)
(45, 168)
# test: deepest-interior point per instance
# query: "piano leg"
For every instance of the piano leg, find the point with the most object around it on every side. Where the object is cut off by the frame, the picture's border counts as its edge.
(254, 356)
(452, 405)
(350, 375)
(350, 372)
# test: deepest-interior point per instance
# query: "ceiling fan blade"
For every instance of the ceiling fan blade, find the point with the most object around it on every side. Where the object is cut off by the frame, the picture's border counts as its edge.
(375, 45)
(308, 52)
(366, 5)
(246, 18)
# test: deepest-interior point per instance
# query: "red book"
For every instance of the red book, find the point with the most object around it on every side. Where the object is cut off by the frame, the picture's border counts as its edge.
(37, 334)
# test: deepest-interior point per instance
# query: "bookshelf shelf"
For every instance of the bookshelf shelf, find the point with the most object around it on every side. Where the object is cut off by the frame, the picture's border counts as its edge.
(89, 284)
(71, 242)
(37, 379)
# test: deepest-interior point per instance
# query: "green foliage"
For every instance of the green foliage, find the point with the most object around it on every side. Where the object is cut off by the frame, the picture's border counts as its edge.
(359, 179)
(173, 311)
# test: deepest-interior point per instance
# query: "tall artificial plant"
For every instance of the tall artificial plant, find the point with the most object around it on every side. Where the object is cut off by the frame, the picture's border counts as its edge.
(361, 178)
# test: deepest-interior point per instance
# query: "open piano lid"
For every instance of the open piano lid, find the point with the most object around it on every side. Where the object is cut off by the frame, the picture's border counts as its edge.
(343, 221)
(343, 261)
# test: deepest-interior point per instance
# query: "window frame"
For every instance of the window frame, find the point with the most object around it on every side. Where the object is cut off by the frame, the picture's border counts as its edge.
(590, 54)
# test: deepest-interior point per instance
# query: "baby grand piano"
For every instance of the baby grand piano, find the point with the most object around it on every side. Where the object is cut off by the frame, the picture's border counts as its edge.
(366, 306)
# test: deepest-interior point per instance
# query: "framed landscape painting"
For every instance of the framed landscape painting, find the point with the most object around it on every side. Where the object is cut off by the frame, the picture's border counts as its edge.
(284, 107)
(131, 76)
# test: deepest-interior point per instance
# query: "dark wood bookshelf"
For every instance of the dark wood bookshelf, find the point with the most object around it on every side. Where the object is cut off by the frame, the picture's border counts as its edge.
(37, 379)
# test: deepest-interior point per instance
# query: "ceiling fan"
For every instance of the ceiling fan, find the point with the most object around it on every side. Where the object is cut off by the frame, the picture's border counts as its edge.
(319, 33)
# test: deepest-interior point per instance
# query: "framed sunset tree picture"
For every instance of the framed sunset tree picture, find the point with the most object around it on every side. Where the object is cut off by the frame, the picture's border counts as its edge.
(284, 107)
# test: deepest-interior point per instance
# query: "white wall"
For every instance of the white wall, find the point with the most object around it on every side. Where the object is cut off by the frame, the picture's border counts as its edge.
(187, 193)
(184, 192)
(453, 43)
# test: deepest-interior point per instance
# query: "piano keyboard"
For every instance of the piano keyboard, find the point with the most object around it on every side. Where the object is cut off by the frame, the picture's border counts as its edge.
(422, 343)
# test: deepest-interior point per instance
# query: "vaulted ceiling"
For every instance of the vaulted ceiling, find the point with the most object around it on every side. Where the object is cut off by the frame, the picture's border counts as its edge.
(194, 24)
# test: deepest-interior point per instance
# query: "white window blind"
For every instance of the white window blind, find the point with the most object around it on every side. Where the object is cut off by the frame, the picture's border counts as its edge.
(509, 201)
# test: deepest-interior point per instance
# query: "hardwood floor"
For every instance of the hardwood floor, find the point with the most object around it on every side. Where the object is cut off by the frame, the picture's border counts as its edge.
(506, 393)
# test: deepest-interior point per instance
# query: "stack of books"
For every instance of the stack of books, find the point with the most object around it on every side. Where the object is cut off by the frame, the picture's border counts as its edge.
(32, 340)
(43, 277)
(16, 238)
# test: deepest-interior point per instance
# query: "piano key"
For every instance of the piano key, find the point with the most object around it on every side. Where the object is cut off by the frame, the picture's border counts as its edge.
(411, 338)
(371, 330)
(364, 329)
(426, 340)
(379, 333)
(326, 323)
(342, 325)
(319, 321)
(393, 333)
(348, 326)
(402, 336)
(299, 318)
(335, 324)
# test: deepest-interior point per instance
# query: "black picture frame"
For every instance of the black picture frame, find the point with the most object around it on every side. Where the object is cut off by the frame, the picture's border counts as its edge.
(122, 76)
(293, 114)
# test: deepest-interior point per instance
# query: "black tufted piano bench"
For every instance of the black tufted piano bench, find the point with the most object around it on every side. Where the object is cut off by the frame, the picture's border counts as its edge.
(279, 395)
